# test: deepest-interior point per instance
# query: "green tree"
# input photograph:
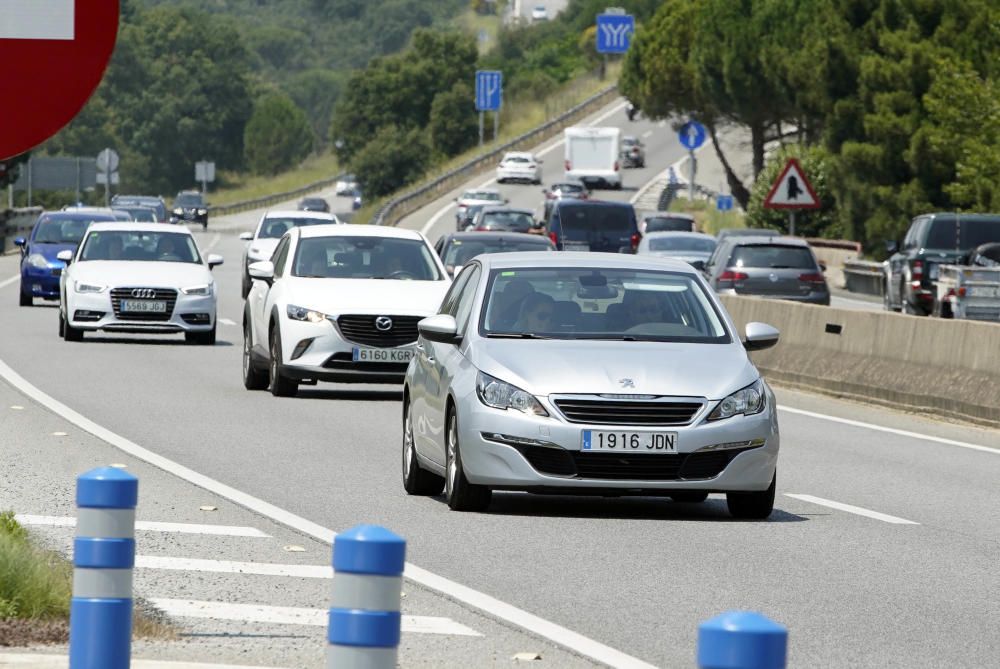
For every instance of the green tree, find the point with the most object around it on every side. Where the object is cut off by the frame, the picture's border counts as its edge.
(453, 124)
(393, 158)
(278, 135)
(316, 91)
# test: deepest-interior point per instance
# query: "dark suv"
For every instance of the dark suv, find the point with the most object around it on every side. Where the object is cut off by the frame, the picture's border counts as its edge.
(933, 239)
(590, 225)
(190, 207)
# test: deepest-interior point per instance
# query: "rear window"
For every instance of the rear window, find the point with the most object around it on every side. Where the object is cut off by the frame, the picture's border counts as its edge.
(696, 244)
(595, 222)
(481, 195)
(773, 257)
(669, 224)
(567, 188)
(945, 234)
(507, 220)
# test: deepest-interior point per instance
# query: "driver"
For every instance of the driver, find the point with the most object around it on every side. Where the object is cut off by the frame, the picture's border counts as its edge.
(165, 247)
(645, 307)
(538, 312)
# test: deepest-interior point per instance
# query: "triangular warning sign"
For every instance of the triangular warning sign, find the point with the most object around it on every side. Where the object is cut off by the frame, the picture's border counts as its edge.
(792, 190)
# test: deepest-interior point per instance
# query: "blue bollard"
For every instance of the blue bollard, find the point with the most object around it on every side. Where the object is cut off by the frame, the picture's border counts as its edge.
(367, 585)
(742, 640)
(100, 618)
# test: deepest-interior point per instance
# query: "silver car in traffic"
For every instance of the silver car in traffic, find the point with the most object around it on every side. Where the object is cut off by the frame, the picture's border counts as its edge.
(588, 373)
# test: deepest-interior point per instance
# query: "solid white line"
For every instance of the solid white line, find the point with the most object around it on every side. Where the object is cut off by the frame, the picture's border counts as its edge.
(148, 526)
(228, 567)
(489, 605)
(226, 321)
(868, 513)
(290, 615)
(47, 661)
(892, 430)
(215, 240)
(7, 282)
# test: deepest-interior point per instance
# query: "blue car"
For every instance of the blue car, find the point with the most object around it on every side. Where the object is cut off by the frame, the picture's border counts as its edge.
(54, 231)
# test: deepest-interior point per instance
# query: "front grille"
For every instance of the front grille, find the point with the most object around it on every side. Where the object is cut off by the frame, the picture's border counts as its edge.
(165, 294)
(620, 467)
(555, 461)
(362, 330)
(628, 412)
(57, 271)
(345, 361)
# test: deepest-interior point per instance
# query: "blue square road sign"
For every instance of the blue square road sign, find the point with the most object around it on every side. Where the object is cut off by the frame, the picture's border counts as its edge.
(489, 90)
(614, 32)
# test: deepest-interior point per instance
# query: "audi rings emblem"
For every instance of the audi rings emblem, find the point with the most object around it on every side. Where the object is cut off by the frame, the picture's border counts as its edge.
(144, 293)
(383, 323)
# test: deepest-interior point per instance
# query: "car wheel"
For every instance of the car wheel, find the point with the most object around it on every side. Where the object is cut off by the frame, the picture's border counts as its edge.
(752, 505)
(416, 479)
(689, 496)
(26, 300)
(246, 283)
(62, 324)
(201, 338)
(253, 379)
(459, 493)
(280, 386)
(70, 333)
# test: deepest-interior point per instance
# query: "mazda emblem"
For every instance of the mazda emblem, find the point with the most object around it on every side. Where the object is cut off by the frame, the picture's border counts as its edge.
(383, 323)
(143, 293)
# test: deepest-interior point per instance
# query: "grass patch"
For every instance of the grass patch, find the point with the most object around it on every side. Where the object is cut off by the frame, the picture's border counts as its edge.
(238, 187)
(707, 218)
(34, 583)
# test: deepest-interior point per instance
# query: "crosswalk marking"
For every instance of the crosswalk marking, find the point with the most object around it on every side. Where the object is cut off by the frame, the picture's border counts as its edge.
(229, 567)
(149, 526)
(289, 615)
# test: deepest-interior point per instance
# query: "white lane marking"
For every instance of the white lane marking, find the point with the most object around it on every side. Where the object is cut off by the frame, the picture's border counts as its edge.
(215, 240)
(892, 430)
(489, 605)
(7, 282)
(290, 615)
(646, 134)
(47, 661)
(226, 321)
(230, 567)
(151, 526)
(441, 212)
(849, 508)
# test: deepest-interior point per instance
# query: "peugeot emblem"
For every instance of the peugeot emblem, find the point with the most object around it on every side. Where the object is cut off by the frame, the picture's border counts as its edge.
(383, 323)
(773, 277)
(143, 293)
(627, 383)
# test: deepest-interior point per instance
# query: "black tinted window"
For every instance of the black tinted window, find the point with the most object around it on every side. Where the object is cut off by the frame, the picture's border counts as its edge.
(669, 224)
(682, 244)
(595, 222)
(947, 234)
(773, 257)
(274, 228)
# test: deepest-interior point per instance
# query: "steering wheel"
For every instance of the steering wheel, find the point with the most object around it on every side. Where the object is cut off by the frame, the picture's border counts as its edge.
(402, 274)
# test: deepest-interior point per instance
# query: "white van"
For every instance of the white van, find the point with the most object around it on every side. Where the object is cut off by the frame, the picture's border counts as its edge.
(592, 156)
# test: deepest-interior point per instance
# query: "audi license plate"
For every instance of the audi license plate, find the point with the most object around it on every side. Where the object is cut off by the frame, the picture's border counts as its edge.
(144, 306)
(382, 354)
(629, 442)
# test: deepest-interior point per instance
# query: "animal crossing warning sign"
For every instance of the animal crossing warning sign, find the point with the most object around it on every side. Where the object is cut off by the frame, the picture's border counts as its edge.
(792, 190)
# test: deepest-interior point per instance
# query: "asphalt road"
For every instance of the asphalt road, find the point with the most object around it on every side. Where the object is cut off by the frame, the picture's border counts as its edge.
(856, 585)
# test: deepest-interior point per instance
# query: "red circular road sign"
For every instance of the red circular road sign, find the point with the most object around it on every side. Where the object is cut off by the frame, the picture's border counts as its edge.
(53, 59)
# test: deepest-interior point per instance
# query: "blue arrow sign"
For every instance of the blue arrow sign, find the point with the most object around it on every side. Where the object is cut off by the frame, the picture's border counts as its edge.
(692, 135)
(724, 202)
(489, 90)
(614, 32)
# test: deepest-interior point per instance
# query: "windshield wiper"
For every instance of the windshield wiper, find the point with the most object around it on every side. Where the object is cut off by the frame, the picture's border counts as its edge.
(515, 335)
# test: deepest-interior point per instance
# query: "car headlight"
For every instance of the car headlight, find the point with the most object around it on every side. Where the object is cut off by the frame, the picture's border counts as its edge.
(82, 287)
(38, 261)
(501, 395)
(748, 401)
(303, 314)
(202, 289)
(202, 212)
(179, 211)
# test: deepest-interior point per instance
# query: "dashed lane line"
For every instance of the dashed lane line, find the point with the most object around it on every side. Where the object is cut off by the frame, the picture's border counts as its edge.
(850, 508)
(227, 321)
(148, 526)
(229, 567)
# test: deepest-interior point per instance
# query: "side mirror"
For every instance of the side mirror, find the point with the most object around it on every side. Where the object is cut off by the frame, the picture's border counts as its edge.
(822, 265)
(214, 260)
(698, 265)
(246, 236)
(65, 256)
(891, 246)
(263, 270)
(760, 336)
(20, 241)
(441, 328)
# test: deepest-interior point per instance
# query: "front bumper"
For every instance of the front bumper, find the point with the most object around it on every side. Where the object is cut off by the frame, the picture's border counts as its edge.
(93, 312)
(41, 283)
(509, 174)
(590, 178)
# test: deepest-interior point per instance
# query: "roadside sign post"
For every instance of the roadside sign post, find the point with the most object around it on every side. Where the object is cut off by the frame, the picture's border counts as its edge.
(614, 34)
(489, 97)
(204, 172)
(107, 166)
(692, 135)
(724, 202)
(792, 191)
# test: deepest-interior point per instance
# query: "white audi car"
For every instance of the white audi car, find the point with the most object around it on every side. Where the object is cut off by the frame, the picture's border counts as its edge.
(338, 303)
(272, 226)
(138, 277)
(519, 166)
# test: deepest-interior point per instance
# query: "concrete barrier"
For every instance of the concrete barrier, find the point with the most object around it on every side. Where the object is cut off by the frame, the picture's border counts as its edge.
(942, 367)
(16, 223)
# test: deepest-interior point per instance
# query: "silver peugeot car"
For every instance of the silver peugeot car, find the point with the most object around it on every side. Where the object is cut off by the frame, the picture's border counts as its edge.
(588, 373)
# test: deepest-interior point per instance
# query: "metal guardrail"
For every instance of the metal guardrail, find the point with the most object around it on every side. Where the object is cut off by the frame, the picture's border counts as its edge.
(864, 276)
(274, 198)
(395, 209)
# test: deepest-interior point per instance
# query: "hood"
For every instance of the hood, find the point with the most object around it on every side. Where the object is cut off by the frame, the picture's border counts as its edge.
(264, 249)
(50, 251)
(114, 273)
(549, 367)
(367, 296)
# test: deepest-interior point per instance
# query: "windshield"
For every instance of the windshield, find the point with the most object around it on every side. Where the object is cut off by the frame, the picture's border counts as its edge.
(696, 244)
(518, 221)
(669, 224)
(460, 251)
(274, 227)
(971, 234)
(588, 303)
(594, 223)
(773, 257)
(481, 195)
(188, 200)
(141, 246)
(141, 214)
(57, 230)
(567, 188)
(364, 258)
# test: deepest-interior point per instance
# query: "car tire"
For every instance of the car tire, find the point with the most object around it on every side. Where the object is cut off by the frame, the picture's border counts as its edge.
(280, 386)
(70, 333)
(253, 379)
(247, 283)
(62, 324)
(25, 300)
(689, 496)
(416, 479)
(752, 505)
(459, 493)
(201, 338)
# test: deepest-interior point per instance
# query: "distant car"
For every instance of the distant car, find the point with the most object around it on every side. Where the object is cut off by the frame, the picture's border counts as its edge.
(190, 207)
(662, 221)
(483, 196)
(694, 248)
(563, 189)
(633, 152)
(539, 13)
(594, 225)
(138, 214)
(519, 166)
(357, 199)
(503, 219)
(457, 248)
(271, 227)
(346, 185)
(154, 202)
(54, 232)
(314, 204)
(138, 277)
(779, 267)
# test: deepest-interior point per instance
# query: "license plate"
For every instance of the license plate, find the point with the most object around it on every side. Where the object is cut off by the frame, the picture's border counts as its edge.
(576, 246)
(144, 306)
(629, 442)
(382, 354)
(984, 291)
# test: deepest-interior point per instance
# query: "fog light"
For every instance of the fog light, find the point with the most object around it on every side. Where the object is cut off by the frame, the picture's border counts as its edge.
(301, 347)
